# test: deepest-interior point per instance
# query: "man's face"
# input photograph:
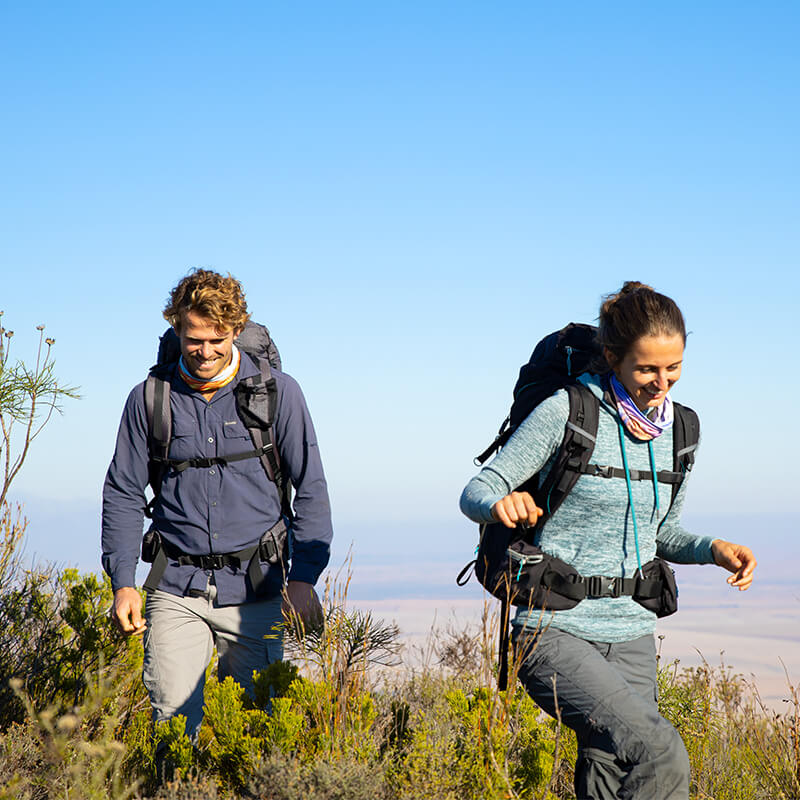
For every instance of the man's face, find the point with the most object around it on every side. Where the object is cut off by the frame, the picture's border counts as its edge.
(206, 350)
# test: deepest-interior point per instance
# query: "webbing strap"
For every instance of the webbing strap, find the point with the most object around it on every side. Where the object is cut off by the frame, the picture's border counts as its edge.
(606, 471)
(503, 639)
(269, 548)
(588, 586)
(181, 465)
(581, 431)
(270, 458)
(156, 571)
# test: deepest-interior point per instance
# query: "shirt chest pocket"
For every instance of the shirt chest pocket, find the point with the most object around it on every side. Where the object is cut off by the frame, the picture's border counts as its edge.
(184, 443)
(237, 440)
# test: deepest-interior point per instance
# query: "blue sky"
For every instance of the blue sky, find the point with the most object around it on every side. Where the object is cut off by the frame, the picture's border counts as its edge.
(412, 195)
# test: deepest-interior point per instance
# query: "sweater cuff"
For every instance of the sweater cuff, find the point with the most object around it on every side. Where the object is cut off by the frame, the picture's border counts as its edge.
(702, 550)
(479, 510)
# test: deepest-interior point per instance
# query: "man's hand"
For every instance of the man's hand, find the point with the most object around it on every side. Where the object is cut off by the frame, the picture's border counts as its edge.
(127, 611)
(517, 507)
(736, 558)
(301, 599)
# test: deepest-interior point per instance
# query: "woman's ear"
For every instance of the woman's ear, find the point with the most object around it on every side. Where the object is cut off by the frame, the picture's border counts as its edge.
(610, 358)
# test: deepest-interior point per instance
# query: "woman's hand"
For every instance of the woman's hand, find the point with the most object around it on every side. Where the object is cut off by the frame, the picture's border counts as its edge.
(517, 507)
(736, 558)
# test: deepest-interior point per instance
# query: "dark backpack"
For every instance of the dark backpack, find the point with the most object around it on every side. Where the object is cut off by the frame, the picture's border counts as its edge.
(507, 562)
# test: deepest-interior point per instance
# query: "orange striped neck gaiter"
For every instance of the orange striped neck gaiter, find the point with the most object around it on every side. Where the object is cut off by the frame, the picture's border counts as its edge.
(218, 381)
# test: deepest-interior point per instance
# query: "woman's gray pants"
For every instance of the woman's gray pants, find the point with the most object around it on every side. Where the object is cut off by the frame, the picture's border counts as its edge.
(607, 694)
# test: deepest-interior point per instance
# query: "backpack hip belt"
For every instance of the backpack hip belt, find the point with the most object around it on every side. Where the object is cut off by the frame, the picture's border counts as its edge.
(521, 574)
(272, 548)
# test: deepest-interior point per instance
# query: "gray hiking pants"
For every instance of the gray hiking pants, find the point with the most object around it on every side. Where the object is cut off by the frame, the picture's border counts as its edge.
(179, 644)
(607, 694)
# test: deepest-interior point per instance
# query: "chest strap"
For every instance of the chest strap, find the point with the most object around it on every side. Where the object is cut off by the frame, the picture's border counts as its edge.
(605, 471)
(180, 465)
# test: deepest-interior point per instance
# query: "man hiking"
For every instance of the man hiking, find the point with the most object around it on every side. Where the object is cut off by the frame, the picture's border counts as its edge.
(235, 435)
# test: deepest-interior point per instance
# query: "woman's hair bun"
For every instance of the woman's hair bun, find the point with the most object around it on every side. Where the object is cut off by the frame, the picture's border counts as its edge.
(636, 310)
(629, 287)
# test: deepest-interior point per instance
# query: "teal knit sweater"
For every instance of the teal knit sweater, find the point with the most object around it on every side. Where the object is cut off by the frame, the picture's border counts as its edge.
(593, 528)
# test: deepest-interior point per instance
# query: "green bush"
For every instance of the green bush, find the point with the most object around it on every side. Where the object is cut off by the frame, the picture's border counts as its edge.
(55, 636)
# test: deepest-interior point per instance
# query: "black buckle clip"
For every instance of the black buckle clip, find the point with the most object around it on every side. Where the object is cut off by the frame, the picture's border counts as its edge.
(267, 551)
(212, 562)
(602, 471)
(601, 586)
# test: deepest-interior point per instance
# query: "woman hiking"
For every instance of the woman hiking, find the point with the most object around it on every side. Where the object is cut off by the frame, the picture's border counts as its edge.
(597, 660)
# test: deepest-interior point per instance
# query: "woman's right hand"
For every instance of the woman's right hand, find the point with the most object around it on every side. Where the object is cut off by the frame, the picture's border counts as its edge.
(517, 507)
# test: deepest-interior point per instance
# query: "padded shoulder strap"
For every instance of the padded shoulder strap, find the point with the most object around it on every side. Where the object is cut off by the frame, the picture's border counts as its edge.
(159, 429)
(577, 446)
(256, 401)
(685, 438)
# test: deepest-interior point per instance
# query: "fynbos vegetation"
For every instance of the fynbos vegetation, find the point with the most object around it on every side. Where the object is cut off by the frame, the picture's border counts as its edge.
(345, 719)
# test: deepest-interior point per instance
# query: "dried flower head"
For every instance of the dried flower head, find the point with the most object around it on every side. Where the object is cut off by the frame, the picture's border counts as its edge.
(40, 327)
(49, 341)
(68, 722)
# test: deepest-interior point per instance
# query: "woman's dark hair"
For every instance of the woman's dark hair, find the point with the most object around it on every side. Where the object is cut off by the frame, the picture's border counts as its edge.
(637, 310)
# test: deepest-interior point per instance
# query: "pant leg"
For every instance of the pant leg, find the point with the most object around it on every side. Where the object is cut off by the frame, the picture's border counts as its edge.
(628, 749)
(248, 638)
(598, 771)
(178, 646)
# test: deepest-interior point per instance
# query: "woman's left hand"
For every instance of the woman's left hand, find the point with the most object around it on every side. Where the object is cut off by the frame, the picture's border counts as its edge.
(736, 558)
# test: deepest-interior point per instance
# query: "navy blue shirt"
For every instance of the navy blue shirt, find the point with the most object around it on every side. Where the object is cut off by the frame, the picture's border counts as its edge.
(222, 508)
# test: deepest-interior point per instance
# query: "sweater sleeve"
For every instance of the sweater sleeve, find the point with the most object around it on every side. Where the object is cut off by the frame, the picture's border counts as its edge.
(530, 447)
(674, 543)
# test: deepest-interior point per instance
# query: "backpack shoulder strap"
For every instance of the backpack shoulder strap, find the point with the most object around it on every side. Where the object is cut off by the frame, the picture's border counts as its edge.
(159, 429)
(575, 451)
(256, 401)
(685, 439)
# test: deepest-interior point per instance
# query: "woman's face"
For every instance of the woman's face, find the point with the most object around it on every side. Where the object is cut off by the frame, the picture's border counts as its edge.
(650, 368)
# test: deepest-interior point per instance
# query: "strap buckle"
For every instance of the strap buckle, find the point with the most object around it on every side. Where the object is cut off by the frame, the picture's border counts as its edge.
(267, 550)
(212, 561)
(603, 471)
(602, 586)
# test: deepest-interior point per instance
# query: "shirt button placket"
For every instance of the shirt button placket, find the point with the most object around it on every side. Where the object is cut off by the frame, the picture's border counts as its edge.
(214, 482)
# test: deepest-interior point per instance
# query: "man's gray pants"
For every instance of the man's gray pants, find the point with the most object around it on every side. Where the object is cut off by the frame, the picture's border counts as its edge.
(179, 644)
(607, 693)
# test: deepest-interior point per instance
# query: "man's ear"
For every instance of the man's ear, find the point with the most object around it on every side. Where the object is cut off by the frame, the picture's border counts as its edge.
(176, 326)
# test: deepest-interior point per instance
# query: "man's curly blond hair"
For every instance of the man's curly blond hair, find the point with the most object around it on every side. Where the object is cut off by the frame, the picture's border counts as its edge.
(210, 295)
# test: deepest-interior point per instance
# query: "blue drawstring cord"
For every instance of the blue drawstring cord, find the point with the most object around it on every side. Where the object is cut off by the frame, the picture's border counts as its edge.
(630, 494)
(655, 478)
